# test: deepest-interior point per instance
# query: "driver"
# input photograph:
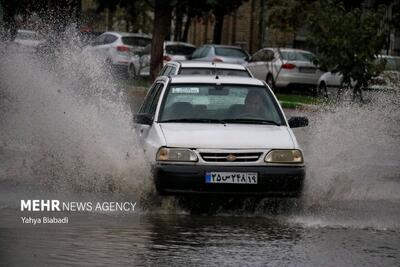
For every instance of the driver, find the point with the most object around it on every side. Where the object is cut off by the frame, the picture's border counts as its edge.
(254, 104)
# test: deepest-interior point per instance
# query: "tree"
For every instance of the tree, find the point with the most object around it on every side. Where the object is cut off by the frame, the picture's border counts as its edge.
(161, 26)
(220, 8)
(349, 41)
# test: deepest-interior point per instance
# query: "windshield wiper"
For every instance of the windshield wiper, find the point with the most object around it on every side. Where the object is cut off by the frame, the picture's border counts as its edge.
(196, 120)
(252, 121)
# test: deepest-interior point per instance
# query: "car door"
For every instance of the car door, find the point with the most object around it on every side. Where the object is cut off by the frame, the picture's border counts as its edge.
(257, 66)
(105, 49)
(143, 131)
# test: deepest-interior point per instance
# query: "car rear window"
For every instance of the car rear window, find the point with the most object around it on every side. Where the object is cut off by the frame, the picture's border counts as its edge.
(179, 50)
(297, 56)
(135, 41)
(230, 52)
(211, 71)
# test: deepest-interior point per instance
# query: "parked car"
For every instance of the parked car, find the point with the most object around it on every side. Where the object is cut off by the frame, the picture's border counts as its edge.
(219, 135)
(117, 48)
(173, 51)
(204, 68)
(28, 40)
(285, 67)
(220, 53)
(389, 79)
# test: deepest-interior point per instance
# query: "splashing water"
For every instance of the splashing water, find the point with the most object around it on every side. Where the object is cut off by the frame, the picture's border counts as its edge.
(66, 124)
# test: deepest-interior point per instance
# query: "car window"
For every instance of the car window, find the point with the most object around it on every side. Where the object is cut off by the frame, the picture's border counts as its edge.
(205, 51)
(150, 97)
(213, 71)
(257, 56)
(109, 38)
(298, 56)
(179, 50)
(99, 40)
(27, 35)
(136, 41)
(163, 71)
(215, 102)
(156, 97)
(172, 71)
(197, 52)
(230, 52)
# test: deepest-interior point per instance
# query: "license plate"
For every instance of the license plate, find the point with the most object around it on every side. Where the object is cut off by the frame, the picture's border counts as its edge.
(231, 178)
(307, 70)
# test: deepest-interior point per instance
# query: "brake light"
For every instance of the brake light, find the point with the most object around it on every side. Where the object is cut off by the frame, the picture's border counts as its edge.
(217, 59)
(288, 66)
(122, 48)
(166, 58)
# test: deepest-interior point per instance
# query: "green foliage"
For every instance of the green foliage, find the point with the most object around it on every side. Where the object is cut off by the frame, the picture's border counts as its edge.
(286, 15)
(348, 41)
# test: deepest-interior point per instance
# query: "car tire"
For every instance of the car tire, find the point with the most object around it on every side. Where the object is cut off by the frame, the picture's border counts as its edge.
(270, 81)
(322, 90)
(131, 72)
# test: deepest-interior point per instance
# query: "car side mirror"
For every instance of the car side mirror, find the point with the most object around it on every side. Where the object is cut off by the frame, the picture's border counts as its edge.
(296, 122)
(143, 118)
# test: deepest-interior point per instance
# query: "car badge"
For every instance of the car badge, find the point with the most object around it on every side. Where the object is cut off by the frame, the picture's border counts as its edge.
(231, 157)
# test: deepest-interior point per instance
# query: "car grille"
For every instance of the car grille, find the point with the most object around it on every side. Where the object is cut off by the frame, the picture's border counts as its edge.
(230, 157)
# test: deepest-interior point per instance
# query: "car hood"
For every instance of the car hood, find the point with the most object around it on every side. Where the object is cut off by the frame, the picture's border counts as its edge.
(229, 136)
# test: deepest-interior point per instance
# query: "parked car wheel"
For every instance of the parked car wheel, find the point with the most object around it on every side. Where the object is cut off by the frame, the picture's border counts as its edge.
(270, 81)
(322, 90)
(131, 72)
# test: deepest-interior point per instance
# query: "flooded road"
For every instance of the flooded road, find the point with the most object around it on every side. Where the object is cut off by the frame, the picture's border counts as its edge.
(66, 134)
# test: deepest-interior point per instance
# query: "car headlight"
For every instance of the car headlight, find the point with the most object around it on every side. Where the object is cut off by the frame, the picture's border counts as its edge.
(284, 156)
(176, 154)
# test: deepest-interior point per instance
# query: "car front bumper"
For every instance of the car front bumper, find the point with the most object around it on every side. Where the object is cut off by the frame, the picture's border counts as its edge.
(285, 181)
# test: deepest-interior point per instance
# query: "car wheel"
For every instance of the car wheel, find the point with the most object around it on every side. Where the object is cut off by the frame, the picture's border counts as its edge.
(270, 81)
(322, 90)
(131, 72)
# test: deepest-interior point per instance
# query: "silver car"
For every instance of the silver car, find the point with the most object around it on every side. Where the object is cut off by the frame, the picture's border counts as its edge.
(117, 48)
(285, 67)
(220, 53)
(173, 51)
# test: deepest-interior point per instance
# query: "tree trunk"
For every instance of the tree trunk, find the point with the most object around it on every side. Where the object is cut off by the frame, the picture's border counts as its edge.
(162, 18)
(185, 34)
(219, 22)
(178, 23)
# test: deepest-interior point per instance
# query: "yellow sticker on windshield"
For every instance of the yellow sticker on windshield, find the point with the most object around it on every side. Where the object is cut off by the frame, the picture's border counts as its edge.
(185, 90)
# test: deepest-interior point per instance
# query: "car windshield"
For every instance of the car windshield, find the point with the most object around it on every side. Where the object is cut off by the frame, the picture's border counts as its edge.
(135, 41)
(230, 52)
(179, 49)
(213, 71)
(201, 103)
(297, 56)
(28, 35)
(392, 63)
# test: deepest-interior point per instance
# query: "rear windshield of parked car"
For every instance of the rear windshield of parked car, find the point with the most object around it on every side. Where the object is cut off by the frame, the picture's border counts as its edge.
(230, 52)
(297, 56)
(179, 50)
(222, 102)
(213, 71)
(135, 41)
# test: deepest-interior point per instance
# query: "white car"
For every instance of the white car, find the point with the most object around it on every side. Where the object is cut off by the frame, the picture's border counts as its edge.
(117, 48)
(219, 135)
(204, 68)
(285, 67)
(28, 40)
(173, 51)
(389, 79)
